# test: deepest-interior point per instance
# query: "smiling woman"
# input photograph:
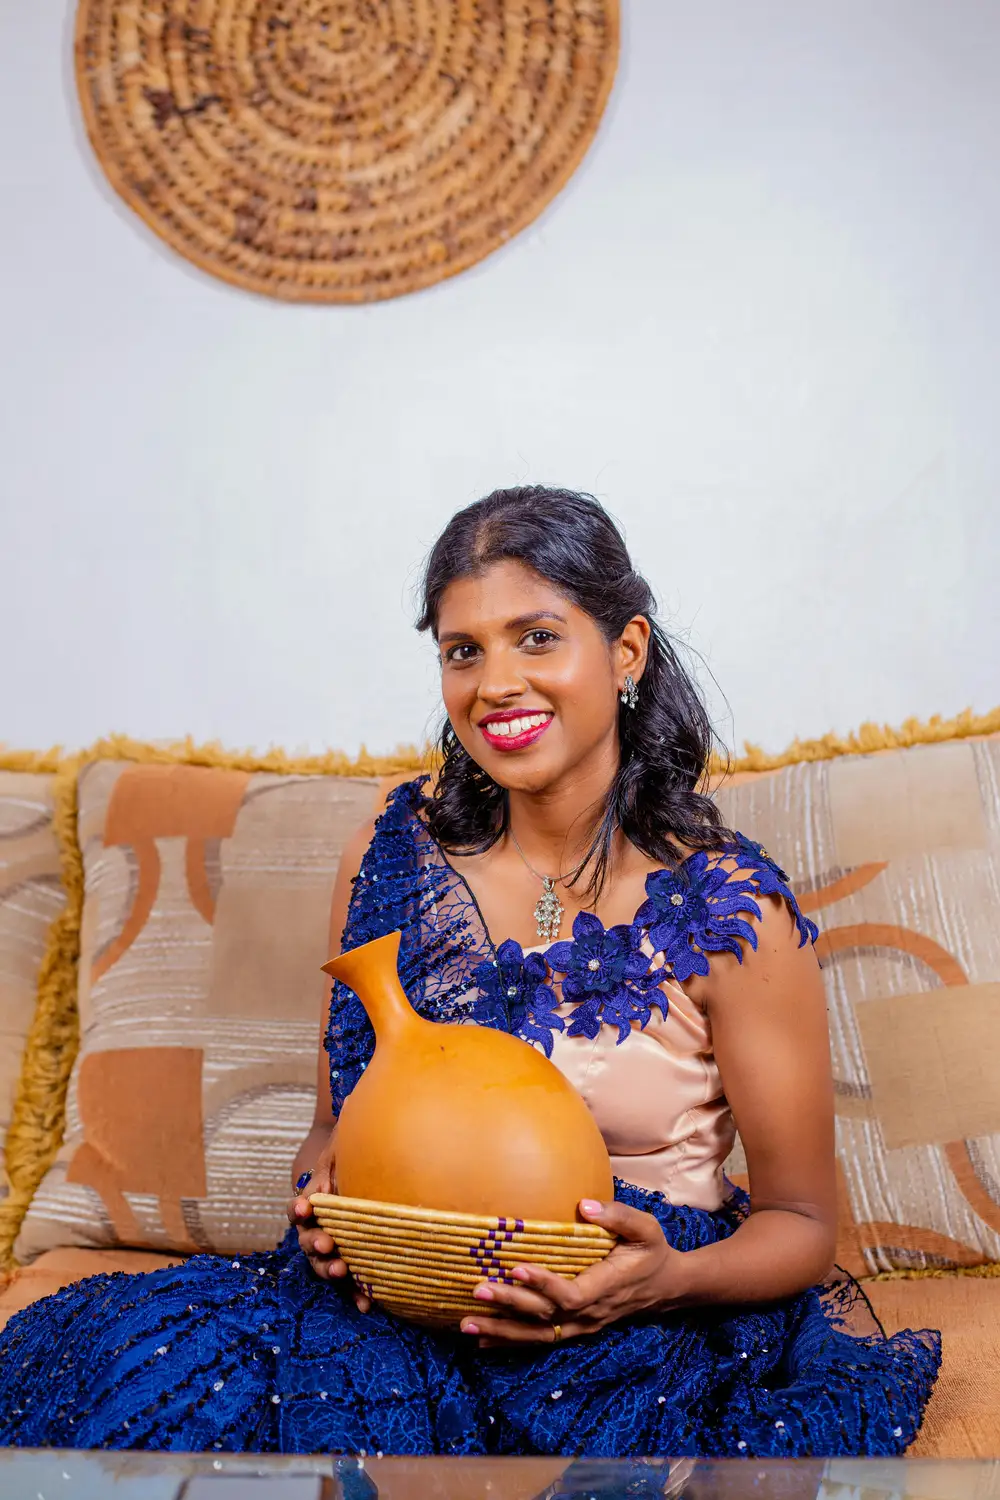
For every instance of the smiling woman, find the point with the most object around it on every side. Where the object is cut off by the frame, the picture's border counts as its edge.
(569, 882)
(543, 625)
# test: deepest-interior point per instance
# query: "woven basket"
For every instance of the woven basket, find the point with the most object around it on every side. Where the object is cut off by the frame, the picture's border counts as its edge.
(423, 1265)
(341, 150)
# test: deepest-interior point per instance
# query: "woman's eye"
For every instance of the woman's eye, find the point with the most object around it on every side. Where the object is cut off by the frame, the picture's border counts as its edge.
(538, 638)
(464, 651)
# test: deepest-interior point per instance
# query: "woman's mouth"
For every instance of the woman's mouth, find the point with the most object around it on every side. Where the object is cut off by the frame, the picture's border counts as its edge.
(515, 731)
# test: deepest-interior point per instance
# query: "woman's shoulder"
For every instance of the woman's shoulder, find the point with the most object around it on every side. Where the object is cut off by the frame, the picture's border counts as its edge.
(402, 851)
(400, 816)
(712, 902)
(405, 800)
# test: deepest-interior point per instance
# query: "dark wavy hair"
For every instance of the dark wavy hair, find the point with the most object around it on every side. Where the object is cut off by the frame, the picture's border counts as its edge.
(658, 796)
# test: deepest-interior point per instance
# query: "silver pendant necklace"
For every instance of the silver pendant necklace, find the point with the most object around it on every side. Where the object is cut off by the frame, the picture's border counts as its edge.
(549, 909)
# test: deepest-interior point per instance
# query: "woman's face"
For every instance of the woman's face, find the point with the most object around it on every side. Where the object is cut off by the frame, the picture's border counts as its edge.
(529, 682)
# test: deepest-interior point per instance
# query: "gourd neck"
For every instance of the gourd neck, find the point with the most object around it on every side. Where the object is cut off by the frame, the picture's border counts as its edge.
(371, 972)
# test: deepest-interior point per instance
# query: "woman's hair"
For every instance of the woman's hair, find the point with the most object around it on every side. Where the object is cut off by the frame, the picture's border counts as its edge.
(657, 797)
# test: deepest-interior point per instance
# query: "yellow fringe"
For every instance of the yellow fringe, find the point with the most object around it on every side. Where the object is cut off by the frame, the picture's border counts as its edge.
(36, 762)
(39, 1105)
(935, 1273)
(866, 741)
(332, 763)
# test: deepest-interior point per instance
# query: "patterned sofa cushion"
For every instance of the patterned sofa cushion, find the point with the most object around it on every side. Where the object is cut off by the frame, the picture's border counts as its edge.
(206, 919)
(31, 897)
(897, 857)
(961, 1417)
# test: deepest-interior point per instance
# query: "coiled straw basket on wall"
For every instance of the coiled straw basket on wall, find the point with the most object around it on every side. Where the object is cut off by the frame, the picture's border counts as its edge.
(341, 150)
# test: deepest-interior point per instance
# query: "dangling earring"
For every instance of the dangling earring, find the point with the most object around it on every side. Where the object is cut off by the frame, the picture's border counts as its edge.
(629, 694)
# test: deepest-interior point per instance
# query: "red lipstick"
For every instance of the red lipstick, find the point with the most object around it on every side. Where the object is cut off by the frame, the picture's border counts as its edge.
(522, 732)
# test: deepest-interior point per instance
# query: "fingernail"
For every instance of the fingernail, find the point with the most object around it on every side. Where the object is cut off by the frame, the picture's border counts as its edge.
(483, 1294)
(522, 1273)
(472, 1328)
(588, 1206)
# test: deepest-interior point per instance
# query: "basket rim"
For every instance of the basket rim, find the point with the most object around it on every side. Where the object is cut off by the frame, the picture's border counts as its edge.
(371, 1208)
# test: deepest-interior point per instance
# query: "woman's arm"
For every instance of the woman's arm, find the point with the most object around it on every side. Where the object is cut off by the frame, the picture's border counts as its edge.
(323, 1122)
(770, 1039)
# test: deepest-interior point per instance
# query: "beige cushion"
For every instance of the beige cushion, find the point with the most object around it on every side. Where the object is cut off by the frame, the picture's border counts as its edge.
(206, 919)
(58, 1268)
(897, 856)
(963, 1415)
(31, 897)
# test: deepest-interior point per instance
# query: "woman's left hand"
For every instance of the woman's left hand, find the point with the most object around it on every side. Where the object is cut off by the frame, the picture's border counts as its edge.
(641, 1274)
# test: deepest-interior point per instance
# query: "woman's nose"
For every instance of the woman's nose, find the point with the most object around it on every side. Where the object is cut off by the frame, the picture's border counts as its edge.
(499, 678)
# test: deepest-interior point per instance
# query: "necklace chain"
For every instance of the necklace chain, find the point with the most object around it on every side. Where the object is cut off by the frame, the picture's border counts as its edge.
(537, 874)
(549, 910)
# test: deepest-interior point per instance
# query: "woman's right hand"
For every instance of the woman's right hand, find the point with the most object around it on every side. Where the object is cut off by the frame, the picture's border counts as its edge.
(314, 1242)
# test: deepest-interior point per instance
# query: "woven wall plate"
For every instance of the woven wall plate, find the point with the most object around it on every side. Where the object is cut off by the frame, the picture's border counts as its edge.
(341, 150)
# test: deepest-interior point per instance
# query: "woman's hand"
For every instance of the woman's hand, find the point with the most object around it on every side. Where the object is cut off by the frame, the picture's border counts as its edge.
(642, 1274)
(314, 1242)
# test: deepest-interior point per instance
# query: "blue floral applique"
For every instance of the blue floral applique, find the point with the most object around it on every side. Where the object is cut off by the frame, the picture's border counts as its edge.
(696, 909)
(607, 976)
(520, 985)
(771, 880)
(702, 906)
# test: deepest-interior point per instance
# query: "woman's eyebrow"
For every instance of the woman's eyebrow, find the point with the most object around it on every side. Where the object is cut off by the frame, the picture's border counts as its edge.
(518, 623)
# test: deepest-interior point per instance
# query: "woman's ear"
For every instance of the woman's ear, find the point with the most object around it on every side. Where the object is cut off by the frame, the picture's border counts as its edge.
(633, 648)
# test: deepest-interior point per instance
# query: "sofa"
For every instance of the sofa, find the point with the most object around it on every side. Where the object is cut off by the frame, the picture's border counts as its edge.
(164, 912)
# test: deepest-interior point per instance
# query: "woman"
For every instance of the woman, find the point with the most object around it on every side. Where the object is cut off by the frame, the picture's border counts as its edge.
(663, 964)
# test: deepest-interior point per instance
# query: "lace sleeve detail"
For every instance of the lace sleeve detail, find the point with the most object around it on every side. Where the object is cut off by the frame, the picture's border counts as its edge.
(703, 906)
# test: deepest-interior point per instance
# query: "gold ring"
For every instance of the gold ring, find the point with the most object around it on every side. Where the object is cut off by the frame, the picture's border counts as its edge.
(556, 1333)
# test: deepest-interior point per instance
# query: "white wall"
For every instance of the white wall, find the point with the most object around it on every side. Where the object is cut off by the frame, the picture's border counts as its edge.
(762, 323)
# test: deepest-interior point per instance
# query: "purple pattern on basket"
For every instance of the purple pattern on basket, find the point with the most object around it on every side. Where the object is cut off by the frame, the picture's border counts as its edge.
(485, 1252)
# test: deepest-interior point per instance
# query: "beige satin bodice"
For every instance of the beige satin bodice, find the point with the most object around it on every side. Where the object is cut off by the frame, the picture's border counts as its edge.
(657, 1099)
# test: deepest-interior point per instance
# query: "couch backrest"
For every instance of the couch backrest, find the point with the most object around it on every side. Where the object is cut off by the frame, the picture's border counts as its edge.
(897, 856)
(207, 915)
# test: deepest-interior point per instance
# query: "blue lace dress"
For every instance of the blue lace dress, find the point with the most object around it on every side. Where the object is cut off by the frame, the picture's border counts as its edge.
(254, 1353)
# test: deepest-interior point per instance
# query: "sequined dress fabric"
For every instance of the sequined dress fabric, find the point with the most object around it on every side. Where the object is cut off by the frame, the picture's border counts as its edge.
(255, 1354)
